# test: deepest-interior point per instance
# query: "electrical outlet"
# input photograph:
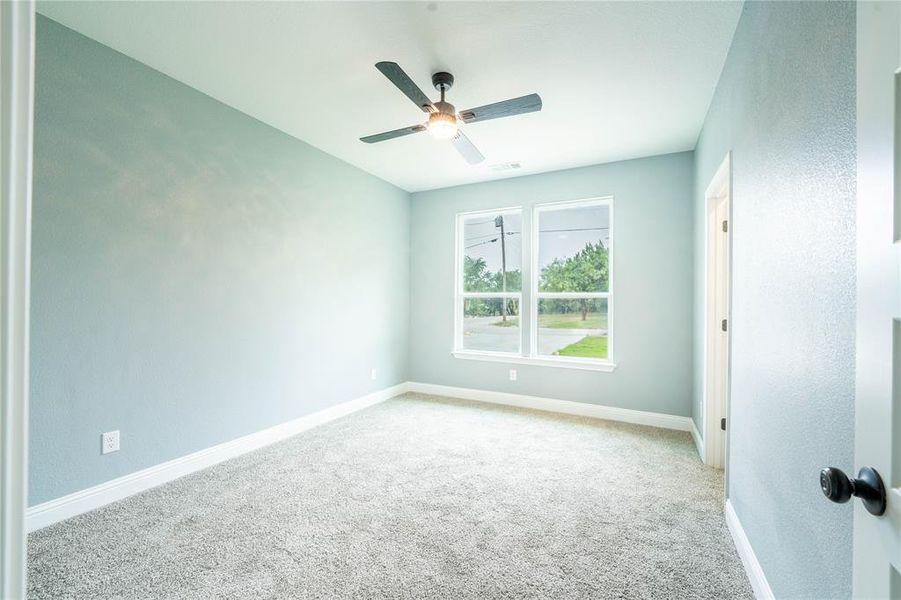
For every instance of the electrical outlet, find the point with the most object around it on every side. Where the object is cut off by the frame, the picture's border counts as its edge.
(512, 374)
(372, 374)
(109, 442)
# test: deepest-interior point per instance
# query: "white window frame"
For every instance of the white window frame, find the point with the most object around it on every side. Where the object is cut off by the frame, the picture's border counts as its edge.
(460, 295)
(530, 277)
(536, 296)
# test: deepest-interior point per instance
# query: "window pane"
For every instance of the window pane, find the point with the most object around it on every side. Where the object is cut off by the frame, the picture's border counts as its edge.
(573, 246)
(573, 327)
(491, 324)
(486, 252)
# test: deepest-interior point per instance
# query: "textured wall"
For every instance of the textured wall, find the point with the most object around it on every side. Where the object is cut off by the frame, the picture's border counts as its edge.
(785, 106)
(652, 281)
(197, 275)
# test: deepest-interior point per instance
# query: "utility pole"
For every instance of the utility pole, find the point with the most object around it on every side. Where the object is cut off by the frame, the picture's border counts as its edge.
(499, 222)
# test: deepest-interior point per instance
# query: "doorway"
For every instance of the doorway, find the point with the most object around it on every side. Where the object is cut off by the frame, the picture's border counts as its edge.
(717, 324)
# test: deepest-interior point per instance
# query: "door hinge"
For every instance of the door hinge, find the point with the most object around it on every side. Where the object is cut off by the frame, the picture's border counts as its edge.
(725, 325)
(725, 226)
(723, 423)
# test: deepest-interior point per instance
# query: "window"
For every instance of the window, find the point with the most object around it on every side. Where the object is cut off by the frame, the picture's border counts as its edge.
(568, 278)
(489, 282)
(571, 289)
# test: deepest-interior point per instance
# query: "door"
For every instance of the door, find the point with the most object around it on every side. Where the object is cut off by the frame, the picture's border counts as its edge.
(877, 546)
(721, 331)
(717, 305)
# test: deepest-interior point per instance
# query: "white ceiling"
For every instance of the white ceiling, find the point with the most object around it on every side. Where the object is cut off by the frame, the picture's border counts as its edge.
(618, 80)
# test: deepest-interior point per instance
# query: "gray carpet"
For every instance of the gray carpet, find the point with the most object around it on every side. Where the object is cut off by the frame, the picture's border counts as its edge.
(418, 497)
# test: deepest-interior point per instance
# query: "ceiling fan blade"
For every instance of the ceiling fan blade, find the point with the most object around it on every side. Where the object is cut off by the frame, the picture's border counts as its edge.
(403, 82)
(505, 108)
(466, 149)
(390, 135)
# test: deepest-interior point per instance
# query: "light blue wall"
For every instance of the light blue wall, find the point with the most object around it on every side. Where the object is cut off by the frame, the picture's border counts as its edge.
(785, 107)
(652, 281)
(197, 275)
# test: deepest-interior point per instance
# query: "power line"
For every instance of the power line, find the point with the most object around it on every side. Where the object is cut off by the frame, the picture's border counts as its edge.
(481, 243)
(518, 232)
(477, 237)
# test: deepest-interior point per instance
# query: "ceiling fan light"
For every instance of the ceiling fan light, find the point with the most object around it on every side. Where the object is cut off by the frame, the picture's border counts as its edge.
(442, 126)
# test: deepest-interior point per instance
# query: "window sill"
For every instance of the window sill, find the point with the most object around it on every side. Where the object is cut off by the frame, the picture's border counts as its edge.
(564, 363)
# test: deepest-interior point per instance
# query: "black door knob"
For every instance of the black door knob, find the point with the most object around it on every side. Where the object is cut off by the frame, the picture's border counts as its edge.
(868, 486)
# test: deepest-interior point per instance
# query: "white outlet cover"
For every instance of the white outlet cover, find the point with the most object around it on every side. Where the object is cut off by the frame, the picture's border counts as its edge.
(372, 374)
(109, 442)
(512, 374)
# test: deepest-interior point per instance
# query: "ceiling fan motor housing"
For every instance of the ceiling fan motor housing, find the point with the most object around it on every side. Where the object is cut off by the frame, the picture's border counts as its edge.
(442, 81)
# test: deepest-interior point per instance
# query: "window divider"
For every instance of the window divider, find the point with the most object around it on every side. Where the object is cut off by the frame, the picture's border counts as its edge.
(572, 295)
(490, 294)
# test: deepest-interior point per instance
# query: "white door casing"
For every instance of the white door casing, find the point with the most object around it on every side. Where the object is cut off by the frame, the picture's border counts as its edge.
(16, 109)
(877, 551)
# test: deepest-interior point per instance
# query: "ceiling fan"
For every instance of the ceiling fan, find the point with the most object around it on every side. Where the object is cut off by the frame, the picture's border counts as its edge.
(443, 122)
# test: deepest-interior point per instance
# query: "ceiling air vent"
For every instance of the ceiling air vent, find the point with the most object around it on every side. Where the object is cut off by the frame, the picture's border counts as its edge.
(509, 166)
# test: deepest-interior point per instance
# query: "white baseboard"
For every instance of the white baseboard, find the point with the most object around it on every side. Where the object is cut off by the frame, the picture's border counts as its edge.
(758, 580)
(699, 441)
(50, 512)
(582, 409)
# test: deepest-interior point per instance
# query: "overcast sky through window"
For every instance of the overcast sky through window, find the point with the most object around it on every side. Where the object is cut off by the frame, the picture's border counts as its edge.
(563, 233)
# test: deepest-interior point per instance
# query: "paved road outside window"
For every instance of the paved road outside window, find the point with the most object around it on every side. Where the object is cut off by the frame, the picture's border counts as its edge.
(482, 333)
